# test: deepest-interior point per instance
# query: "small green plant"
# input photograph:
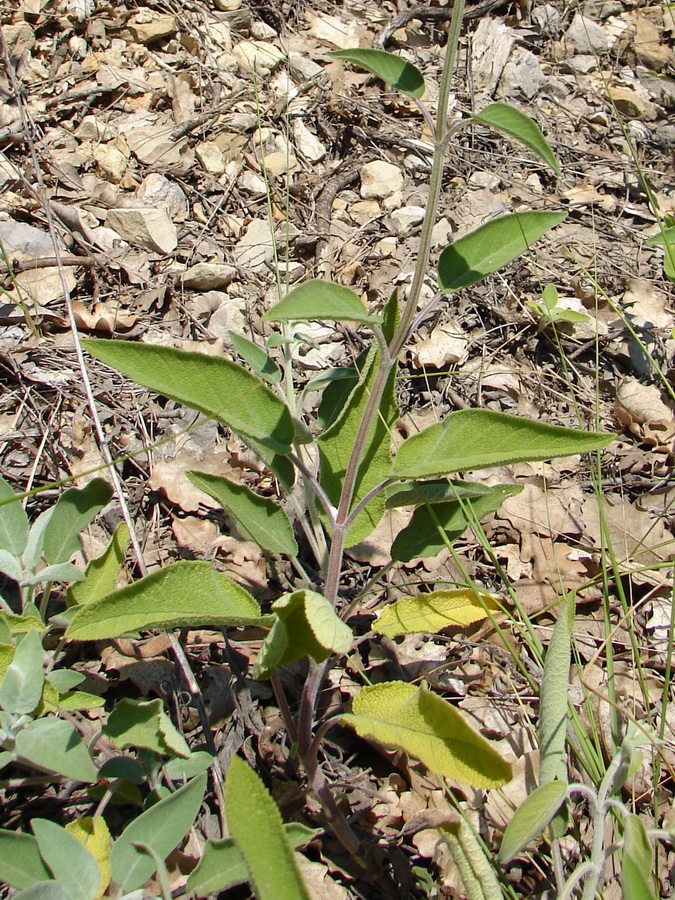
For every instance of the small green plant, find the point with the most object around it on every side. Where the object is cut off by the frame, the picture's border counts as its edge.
(340, 473)
(549, 311)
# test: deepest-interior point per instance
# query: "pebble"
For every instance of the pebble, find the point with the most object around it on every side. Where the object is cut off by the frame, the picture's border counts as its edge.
(380, 179)
(151, 229)
(586, 36)
(205, 276)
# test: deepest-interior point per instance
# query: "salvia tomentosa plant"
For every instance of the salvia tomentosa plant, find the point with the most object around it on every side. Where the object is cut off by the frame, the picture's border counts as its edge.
(340, 476)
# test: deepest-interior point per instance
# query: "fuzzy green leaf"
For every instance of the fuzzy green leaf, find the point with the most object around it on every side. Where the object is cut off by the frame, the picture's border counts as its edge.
(258, 518)
(419, 722)
(71, 863)
(254, 821)
(21, 687)
(13, 521)
(101, 573)
(256, 357)
(475, 869)
(419, 493)
(220, 389)
(431, 612)
(144, 724)
(182, 595)
(479, 439)
(531, 817)
(491, 246)
(74, 510)
(516, 124)
(320, 300)
(553, 697)
(161, 827)
(337, 441)
(392, 69)
(431, 526)
(21, 865)
(306, 625)
(54, 745)
(222, 866)
(636, 843)
(634, 881)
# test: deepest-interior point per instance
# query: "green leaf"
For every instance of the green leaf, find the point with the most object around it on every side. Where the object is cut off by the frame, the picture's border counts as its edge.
(182, 595)
(256, 357)
(431, 612)
(74, 510)
(634, 882)
(161, 827)
(306, 625)
(419, 722)
(45, 890)
(531, 817)
(22, 624)
(21, 865)
(63, 571)
(637, 860)
(21, 688)
(72, 865)
(667, 236)
(222, 866)
(337, 441)
(65, 679)
(144, 724)
(54, 745)
(101, 573)
(254, 822)
(258, 519)
(13, 521)
(392, 69)
(636, 843)
(475, 869)
(553, 697)
(181, 769)
(72, 701)
(479, 439)
(431, 526)
(491, 246)
(419, 493)
(517, 125)
(220, 389)
(320, 300)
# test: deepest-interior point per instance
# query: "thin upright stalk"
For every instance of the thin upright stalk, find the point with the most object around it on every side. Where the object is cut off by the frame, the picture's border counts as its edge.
(307, 747)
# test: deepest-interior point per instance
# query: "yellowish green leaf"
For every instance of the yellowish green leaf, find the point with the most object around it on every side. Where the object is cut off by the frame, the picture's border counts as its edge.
(432, 612)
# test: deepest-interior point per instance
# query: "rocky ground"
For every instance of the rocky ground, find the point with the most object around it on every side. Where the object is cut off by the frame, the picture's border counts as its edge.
(187, 158)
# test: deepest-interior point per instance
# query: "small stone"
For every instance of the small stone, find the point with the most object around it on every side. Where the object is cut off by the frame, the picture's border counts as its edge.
(586, 36)
(256, 248)
(208, 276)
(364, 211)
(482, 179)
(547, 18)
(258, 56)
(441, 234)
(158, 192)
(380, 179)
(630, 103)
(211, 158)
(647, 45)
(91, 128)
(253, 184)
(386, 247)
(151, 229)
(581, 64)
(407, 217)
(154, 146)
(261, 31)
(228, 316)
(221, 34)
(111, 161)
(227, 5)
(522, 76)
(307, 144)
(147, 26)
(303, 66)
(334, 31)
(279, 163)
(19, 39)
